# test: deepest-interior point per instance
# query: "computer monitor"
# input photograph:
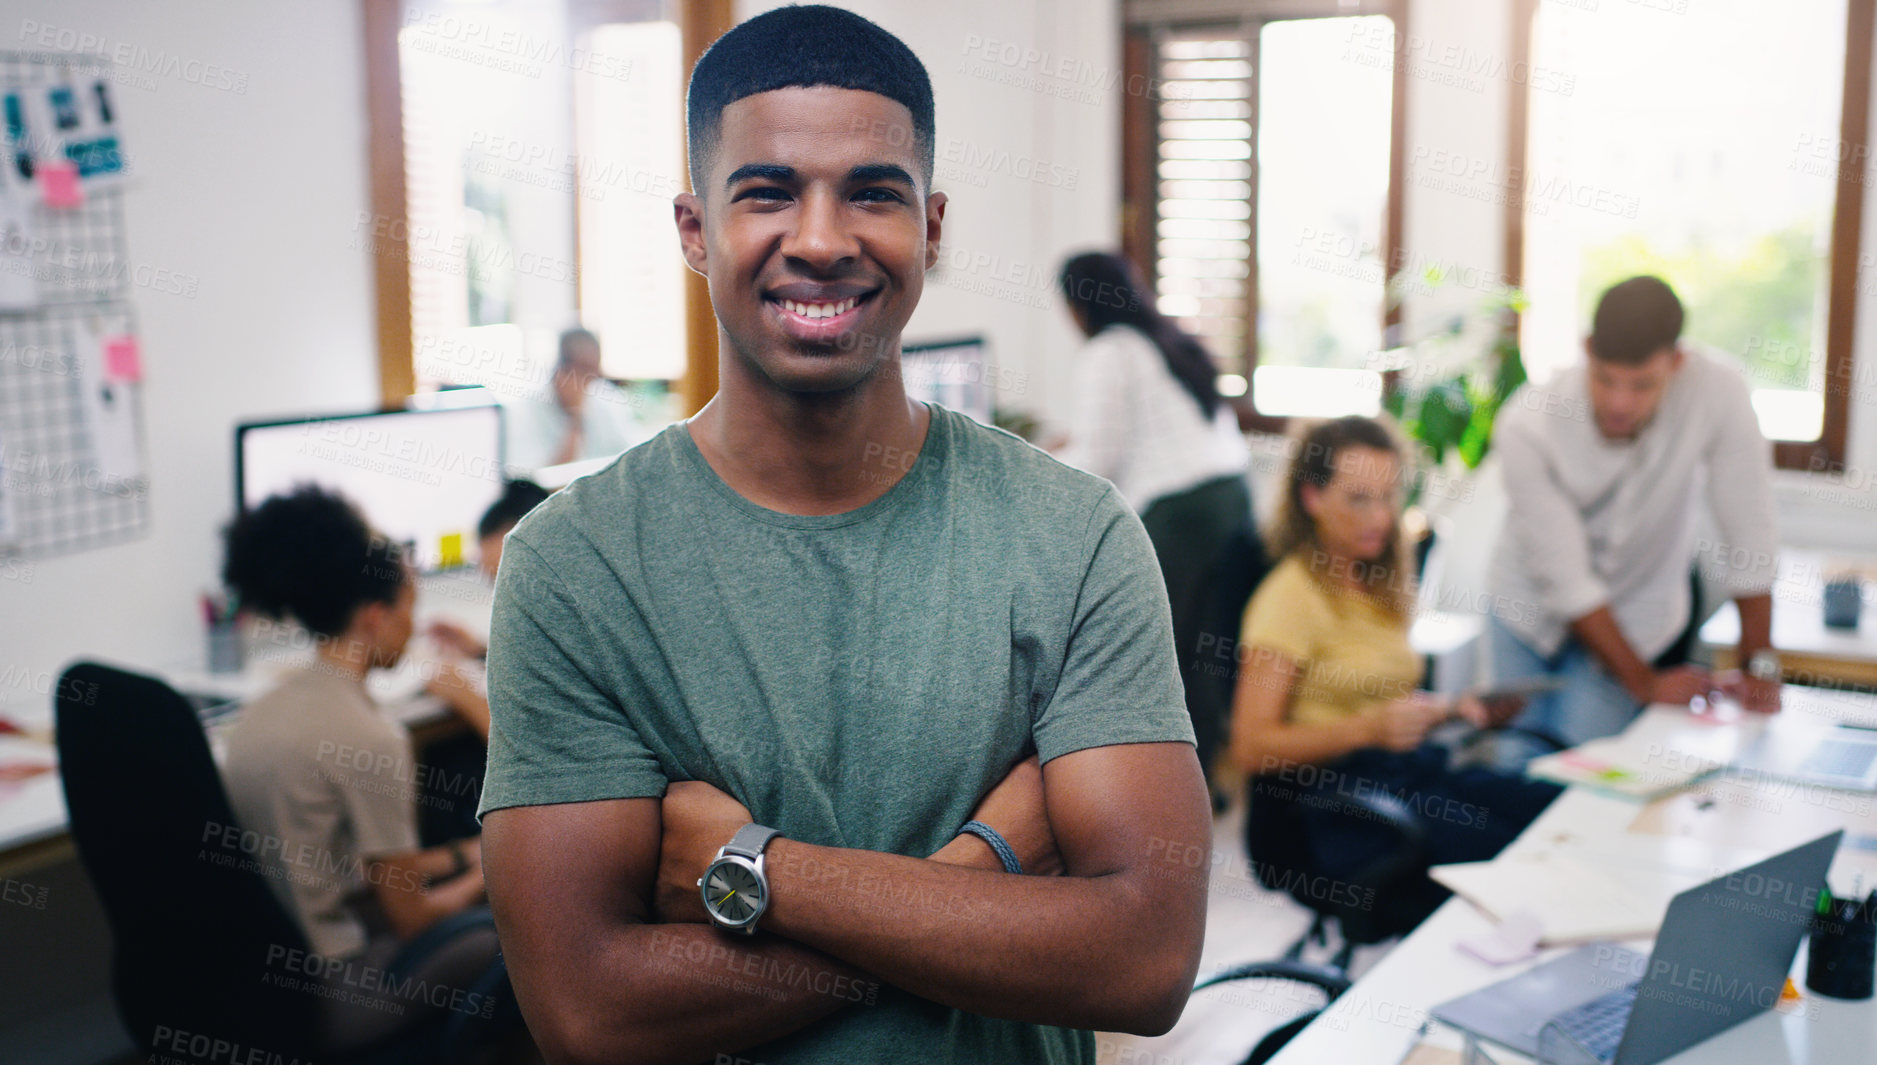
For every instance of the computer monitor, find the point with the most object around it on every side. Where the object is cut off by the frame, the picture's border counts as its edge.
(423, 478)
(954, 373)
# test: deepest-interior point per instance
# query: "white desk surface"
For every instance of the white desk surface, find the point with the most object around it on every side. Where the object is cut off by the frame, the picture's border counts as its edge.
(34, 809)
(1379, 1020)
(1799, 612)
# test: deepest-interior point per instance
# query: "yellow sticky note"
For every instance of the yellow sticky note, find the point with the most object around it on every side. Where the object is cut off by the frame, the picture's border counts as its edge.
(450, 547)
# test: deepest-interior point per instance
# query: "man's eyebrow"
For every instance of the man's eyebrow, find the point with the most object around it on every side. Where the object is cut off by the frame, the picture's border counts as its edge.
(766, 171)
(866, 172)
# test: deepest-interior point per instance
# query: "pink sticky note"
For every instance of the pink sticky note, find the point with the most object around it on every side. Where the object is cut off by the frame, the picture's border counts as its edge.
(58, 184)
(123, 360)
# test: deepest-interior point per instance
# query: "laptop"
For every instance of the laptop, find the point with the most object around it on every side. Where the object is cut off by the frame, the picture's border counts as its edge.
(1840, 756)
(1722, 957)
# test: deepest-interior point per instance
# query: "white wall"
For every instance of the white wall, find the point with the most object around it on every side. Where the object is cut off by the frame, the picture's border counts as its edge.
(255, 195)
(1028, 149)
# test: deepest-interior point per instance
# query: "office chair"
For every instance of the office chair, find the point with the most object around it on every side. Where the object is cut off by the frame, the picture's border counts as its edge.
(1211, 673)
(1331, 982)
(193, 923)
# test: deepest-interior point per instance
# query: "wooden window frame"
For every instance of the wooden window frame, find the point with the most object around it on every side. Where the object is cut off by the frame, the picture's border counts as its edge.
(699, 21)
(1140, 155)
(1827, 453)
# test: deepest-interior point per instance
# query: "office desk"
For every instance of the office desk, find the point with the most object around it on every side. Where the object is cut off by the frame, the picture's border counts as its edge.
(32, 812)
(1809, 652)
(1379, 1020)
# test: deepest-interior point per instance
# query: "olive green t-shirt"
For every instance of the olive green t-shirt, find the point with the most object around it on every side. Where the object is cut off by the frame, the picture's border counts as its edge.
(856, 680)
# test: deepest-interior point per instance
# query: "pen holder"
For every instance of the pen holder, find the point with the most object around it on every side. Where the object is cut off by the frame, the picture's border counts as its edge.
(224, 641)
(1843, 954)
(1843, 602)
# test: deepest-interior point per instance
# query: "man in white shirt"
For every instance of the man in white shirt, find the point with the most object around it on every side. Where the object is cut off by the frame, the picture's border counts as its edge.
(580, 416)
(1605, 468)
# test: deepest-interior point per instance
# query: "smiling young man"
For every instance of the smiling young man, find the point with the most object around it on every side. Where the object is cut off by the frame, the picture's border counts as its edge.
(821, 608)
(1606, 468)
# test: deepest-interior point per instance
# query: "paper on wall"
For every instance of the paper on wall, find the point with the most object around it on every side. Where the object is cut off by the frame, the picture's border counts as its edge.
(18, 290)
(6, 496)
(109, 409)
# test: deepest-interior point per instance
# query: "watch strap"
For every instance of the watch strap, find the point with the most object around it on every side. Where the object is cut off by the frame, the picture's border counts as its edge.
(750, 840)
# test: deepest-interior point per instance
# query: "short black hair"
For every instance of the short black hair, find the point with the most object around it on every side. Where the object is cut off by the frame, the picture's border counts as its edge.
(1634, 320)
(310, 555)
(802, 46)
(567, 342)
(518, 498)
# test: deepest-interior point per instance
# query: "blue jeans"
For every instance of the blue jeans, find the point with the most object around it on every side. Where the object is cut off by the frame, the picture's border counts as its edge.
(1592, 703)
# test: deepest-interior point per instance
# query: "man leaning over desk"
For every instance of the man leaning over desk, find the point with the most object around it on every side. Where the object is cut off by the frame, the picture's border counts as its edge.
(1605, 469)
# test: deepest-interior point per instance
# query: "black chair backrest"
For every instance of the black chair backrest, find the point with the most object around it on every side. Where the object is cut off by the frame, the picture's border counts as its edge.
(199, 937)
(1212, 674)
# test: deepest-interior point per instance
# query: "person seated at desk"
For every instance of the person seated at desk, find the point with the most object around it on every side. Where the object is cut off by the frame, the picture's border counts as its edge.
(1147, 415)
(580, 416)
(1605, 469)
(469, 700)
(1327, 677)
(313, 765)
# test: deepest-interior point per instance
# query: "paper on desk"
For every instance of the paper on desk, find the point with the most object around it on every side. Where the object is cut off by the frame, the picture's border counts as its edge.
(1575, 902)
(1603, 885)
(1621, 767)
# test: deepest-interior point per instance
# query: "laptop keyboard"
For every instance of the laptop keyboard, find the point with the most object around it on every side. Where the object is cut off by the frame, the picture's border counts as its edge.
(1598, 1025)
(1840, 759)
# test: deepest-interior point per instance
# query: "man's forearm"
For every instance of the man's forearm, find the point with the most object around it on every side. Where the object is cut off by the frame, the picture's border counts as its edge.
(684, 993)
(698, 992)
(1082, 952)
(1598, 631)
(1756, 624)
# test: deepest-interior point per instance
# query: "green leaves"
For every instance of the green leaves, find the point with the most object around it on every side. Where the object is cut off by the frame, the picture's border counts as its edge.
(1456, 413)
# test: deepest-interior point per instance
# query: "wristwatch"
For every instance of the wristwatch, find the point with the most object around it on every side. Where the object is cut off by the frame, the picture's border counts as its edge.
(1764, 665)
(734, 886)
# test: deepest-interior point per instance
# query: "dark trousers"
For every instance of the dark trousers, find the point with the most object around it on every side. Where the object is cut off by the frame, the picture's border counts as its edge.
(1211, 560)
(1303, 821)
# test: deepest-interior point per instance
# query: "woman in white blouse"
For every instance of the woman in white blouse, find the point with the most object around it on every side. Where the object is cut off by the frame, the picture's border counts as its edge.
(1147, 415)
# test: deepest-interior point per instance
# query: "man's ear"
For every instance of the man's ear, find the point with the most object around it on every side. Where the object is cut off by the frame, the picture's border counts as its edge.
(934, 222)
(1676, 356)
(688, 212)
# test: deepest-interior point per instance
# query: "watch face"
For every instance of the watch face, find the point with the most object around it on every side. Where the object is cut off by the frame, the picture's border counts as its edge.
(733, 892)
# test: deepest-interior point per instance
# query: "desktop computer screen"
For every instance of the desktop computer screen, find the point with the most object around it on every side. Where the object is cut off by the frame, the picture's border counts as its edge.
(421, 477)
(953, 373)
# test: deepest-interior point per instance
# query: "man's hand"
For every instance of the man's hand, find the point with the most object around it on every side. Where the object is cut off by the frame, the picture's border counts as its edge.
(697, 820)
(1015, 808)
(1680, 686)
(1761, 696)
(570, 392)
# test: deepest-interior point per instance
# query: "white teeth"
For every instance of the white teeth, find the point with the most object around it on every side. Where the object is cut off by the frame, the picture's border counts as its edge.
(820, 310)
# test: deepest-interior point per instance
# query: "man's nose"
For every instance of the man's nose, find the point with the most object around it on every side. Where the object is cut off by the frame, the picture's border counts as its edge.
(819, 238)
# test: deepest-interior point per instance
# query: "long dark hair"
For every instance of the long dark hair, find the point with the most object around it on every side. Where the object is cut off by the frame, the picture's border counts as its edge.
(1109, 291)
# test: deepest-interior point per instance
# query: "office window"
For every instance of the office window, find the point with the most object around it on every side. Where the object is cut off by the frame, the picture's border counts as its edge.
(1701, 143)
(523, 176)
(1321, 203)
(630, 135)
(1203, 235)
(1270, 238)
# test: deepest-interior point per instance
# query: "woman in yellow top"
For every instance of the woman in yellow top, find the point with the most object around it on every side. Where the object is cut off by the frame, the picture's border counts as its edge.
(1327, 697)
